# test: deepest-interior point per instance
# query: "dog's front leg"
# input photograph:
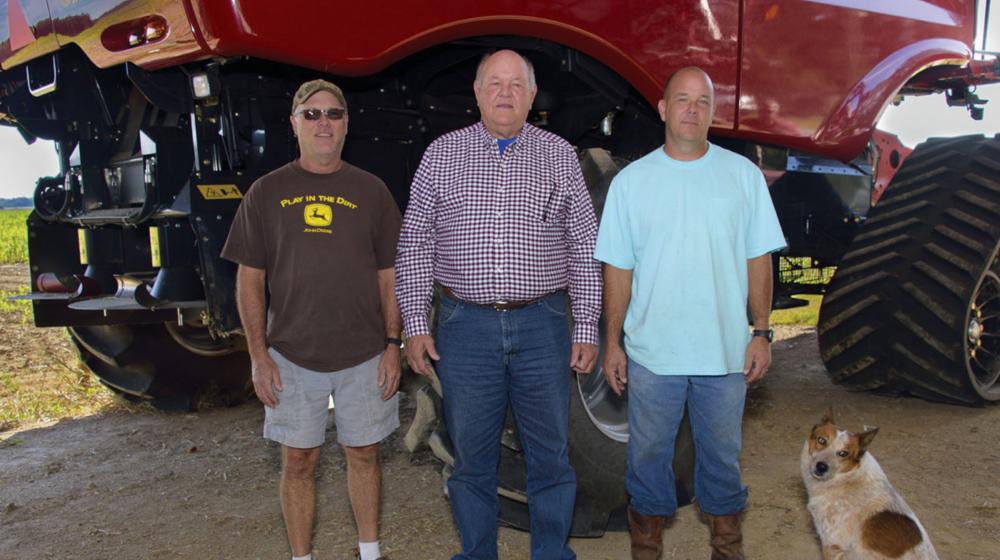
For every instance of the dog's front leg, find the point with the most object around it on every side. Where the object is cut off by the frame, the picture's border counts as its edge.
(833, 552)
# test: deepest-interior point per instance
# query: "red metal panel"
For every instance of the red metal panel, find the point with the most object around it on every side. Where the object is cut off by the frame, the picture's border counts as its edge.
(809, 74)
(643, 40)
(817, 74)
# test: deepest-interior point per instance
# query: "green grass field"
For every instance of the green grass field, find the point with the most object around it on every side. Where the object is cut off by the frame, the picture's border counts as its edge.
(806, 315)
(13, 236)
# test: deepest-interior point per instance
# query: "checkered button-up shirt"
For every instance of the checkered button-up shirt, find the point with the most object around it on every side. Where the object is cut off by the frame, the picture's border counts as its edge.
(499, 228)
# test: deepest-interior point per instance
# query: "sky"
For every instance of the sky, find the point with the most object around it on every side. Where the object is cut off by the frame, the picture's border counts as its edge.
(916, 119)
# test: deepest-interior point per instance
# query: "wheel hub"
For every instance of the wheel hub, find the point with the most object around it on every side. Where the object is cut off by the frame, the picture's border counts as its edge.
(975, 333)
(983, 336)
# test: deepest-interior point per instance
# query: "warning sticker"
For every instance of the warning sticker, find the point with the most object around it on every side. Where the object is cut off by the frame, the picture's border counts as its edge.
(219, 192)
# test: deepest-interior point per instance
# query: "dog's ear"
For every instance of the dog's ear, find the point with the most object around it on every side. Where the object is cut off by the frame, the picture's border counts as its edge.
(827, 417)
(865, 438)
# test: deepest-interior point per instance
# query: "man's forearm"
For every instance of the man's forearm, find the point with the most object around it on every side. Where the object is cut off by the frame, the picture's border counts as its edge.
(250, 303)
(617, 293)
(390, 309)
(761, 286)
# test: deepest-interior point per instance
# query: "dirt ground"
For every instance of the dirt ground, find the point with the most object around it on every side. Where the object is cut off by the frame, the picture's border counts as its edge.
(146, 484)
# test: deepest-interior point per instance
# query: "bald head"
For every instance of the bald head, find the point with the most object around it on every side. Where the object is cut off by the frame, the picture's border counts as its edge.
(686, 109)
(505, 89)
(686, 73)
(506, 55)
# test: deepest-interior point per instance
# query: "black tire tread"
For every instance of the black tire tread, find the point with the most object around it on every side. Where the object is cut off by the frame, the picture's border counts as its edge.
(894, 315)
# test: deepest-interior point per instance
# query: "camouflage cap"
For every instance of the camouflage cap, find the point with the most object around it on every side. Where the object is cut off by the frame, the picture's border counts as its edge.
(309, 88)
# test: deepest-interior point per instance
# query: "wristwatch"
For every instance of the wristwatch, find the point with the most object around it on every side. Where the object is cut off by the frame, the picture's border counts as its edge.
(768, 334)
(390, 340)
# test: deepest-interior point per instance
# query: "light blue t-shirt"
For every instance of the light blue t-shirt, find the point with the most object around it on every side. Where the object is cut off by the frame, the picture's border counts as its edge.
(686, 230)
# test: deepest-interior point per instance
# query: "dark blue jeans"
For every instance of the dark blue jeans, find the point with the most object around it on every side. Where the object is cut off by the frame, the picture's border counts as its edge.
(490, 358)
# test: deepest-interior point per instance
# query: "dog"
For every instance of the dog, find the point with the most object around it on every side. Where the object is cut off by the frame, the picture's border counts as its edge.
(856, 511)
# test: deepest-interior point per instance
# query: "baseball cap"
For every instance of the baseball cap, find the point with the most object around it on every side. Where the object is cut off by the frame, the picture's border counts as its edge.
(311, 87)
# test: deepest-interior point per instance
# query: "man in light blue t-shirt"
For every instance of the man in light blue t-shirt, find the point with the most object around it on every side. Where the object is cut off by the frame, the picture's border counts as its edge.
(686, 236)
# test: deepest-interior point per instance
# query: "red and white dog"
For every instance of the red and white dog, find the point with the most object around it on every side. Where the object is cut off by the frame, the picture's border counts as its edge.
(858, 514)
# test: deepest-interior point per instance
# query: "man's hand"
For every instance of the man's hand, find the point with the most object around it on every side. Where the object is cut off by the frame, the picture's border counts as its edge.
(615, 368)
(416, 348)
(757, 360)
(583, 356)
(266, 378)
(389, 371)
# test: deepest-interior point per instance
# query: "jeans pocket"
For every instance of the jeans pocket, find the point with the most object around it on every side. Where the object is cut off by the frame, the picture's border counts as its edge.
(447, 311)
(556, 305)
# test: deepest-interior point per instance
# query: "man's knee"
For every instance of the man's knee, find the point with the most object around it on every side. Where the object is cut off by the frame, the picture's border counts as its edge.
(362, 458)
(299, 463)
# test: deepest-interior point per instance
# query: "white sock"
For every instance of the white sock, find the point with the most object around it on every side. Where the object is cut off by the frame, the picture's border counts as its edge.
(369, 550)
(306, 557)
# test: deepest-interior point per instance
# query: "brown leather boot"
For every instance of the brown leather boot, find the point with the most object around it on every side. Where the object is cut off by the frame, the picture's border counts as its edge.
(727, 536)
(646, 532)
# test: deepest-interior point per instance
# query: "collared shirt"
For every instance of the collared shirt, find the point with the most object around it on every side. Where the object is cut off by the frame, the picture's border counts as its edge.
(499, 228)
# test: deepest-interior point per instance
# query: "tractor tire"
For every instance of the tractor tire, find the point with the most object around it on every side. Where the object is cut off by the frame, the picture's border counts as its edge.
(914, 306)
(147, 363)
(598, 428)
(598, 434)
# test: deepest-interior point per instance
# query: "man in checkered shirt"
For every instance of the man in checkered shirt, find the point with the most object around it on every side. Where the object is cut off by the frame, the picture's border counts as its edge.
(499, 217)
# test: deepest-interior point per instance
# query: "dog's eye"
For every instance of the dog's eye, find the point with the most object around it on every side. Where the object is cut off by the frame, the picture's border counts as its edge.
(821, 440)
(841, 453)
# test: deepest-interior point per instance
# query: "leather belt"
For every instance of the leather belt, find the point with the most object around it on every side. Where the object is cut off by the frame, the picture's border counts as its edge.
(497, 305)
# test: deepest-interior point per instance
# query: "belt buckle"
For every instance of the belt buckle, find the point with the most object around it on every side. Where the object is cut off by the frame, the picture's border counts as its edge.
(500, 305)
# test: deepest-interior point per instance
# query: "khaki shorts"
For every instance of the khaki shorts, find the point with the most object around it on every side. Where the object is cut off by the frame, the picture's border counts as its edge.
(299, 420)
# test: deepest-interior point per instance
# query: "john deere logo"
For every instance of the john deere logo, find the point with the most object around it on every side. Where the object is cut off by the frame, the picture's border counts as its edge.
(318, 215)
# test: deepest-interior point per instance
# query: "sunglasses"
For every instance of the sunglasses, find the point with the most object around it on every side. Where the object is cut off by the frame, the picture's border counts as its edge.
(334, 114)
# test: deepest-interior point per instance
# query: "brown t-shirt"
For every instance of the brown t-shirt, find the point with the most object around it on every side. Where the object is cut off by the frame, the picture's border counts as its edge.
(320, 238)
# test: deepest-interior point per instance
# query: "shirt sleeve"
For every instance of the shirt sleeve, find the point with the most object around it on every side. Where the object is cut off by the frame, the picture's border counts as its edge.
(584, 272)
(387, 235)
(245, 244)
(614, 239)
(415, 252)
(763, 233)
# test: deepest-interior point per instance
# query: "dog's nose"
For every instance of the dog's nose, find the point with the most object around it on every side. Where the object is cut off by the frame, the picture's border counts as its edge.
(821, 468)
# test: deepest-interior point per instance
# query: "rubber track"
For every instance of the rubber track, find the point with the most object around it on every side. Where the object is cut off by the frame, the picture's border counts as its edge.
(895, 314)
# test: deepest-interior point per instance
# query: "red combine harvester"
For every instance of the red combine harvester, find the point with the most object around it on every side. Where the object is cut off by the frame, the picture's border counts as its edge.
(164, 112)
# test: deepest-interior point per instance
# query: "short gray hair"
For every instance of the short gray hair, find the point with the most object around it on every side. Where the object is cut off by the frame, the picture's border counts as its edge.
(482, 62)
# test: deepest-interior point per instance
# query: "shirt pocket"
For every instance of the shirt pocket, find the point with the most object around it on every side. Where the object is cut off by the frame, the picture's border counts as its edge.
(547, 202)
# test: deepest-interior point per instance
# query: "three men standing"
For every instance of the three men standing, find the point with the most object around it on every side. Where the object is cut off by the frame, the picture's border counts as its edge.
(686, 236)
(321, 234)
(500, 218)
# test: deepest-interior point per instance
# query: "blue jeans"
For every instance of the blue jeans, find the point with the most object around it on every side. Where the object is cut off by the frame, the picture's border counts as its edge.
(655, 408)
(490, 358)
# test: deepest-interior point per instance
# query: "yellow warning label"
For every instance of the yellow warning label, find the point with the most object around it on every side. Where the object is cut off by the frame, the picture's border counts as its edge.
(154, 245)
(81, 238)
(318, 215)
(219, 192)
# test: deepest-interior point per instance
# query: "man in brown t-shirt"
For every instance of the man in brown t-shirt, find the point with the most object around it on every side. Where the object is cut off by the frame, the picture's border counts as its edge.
(321, 234)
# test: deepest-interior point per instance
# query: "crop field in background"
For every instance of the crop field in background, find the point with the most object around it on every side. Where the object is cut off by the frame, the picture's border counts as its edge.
(13, 236)
(40, 376)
